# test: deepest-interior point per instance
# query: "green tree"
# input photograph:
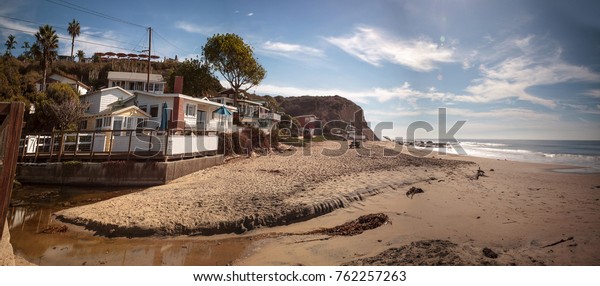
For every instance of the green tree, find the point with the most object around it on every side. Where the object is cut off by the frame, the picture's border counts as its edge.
(198, 79)
(10, 45)
(234, 60)
(46, 45)
(80, 55)
(63, 106)
(74, 30)
(27, 54)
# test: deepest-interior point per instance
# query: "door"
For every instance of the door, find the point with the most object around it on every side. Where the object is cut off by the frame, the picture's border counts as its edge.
(118, 125)
(201, 120)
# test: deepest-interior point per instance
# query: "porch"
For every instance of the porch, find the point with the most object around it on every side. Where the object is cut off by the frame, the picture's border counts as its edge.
(126, 144)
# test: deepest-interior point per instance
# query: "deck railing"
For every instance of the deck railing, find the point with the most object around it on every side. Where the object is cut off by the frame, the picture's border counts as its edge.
(125, 144)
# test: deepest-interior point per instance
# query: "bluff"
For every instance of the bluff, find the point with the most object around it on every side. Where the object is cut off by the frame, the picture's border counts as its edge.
(328, 109)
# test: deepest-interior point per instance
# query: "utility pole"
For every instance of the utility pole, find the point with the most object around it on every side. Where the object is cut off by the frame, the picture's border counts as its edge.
(149, 55)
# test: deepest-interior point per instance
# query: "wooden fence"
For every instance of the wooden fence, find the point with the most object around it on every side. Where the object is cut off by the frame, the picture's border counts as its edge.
(11, 122)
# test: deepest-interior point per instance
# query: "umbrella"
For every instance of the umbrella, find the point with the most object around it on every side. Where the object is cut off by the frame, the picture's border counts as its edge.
(223, 111)
(164, 118)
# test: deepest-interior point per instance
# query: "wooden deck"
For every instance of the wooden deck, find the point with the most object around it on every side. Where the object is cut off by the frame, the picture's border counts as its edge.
(111, 145)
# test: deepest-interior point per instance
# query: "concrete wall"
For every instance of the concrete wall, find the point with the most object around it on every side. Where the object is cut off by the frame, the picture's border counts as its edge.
(112, 173)
(181, 168)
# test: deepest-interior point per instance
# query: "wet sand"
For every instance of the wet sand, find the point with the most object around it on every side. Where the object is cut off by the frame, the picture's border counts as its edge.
(517, 211)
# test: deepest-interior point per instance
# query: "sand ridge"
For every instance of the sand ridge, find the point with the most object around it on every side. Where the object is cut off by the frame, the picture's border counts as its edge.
(249, 193)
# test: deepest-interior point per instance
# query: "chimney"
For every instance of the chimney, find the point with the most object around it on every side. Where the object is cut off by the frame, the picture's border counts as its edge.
(178, 86)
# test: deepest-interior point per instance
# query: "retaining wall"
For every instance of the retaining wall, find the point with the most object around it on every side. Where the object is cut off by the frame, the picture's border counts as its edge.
(112, 173)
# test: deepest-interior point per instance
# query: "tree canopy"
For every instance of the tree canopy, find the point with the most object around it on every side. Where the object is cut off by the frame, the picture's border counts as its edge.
(63, 106)
(10, 45)
(46, 45)
(74, 30)
(234, 59)
(198, 79)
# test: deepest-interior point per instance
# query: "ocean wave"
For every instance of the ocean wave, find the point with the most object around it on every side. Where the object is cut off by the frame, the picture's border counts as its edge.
(482, 144)
(588, 158)
(533, 156)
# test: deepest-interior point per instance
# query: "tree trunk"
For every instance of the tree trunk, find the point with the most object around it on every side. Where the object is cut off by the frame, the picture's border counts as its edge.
(44, 81)
(72, 46)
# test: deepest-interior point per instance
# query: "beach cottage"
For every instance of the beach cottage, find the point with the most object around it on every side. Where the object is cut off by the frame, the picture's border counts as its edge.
(252, 113)
(182, 124)
(80, 87)
(132, 81)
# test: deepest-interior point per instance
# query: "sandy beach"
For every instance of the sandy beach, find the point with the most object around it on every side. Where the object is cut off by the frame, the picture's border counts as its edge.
(518, 213)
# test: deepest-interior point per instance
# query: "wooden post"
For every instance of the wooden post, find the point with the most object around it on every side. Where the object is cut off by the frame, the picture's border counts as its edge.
(92, 145)
(76, 145)
(166, 144)
(129, 146)
(51, 145)
(11, 118)
(37, 147)
(111, 144)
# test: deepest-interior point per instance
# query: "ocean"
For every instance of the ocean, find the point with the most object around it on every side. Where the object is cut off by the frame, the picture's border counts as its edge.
(584, 154)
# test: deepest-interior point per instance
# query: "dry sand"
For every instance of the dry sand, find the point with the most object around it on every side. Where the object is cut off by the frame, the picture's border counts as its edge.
(515, 211)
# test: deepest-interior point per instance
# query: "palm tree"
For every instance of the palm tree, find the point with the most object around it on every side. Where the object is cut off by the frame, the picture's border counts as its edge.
(74, 31)
(80, 56)
(10, 44)
(47, 43)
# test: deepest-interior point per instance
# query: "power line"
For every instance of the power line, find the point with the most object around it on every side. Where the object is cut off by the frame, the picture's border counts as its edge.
(92, 12)
(168, 42)
(66, 38)
(66, 29)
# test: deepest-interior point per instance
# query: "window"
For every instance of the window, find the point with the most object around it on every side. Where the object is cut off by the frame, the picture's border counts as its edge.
(106, 122)
(99, 123)
(144, 107)
(154, 110)
(157, 87)
(190, 110)
(141, 122)
(82, 125)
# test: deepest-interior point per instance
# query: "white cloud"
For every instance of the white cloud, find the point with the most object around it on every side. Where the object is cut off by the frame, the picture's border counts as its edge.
(404, 92)
(375, 47)
(15, 28)
(290, 50)
(593, 93)
(250, 14)
(529, 65)
(196, 29)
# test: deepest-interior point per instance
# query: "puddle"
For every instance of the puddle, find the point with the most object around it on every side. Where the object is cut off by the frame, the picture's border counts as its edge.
(32, 212)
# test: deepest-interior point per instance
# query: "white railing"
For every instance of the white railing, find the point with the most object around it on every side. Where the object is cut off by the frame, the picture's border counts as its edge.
(270, 116)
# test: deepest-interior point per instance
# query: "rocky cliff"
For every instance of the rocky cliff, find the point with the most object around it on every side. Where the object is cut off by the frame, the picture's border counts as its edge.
(329, 109)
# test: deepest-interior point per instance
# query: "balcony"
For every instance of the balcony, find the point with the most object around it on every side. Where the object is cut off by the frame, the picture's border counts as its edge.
(270, 116)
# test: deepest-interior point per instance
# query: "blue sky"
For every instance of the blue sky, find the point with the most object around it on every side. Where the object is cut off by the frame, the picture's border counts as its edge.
(511, 69)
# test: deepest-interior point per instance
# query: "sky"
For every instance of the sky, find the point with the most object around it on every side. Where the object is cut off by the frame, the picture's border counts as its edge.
(510, 69)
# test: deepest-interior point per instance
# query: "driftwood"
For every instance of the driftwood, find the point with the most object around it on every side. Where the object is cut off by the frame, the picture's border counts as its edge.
(413, 191)
(480, 173)
(558, 242)
(357, 226)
